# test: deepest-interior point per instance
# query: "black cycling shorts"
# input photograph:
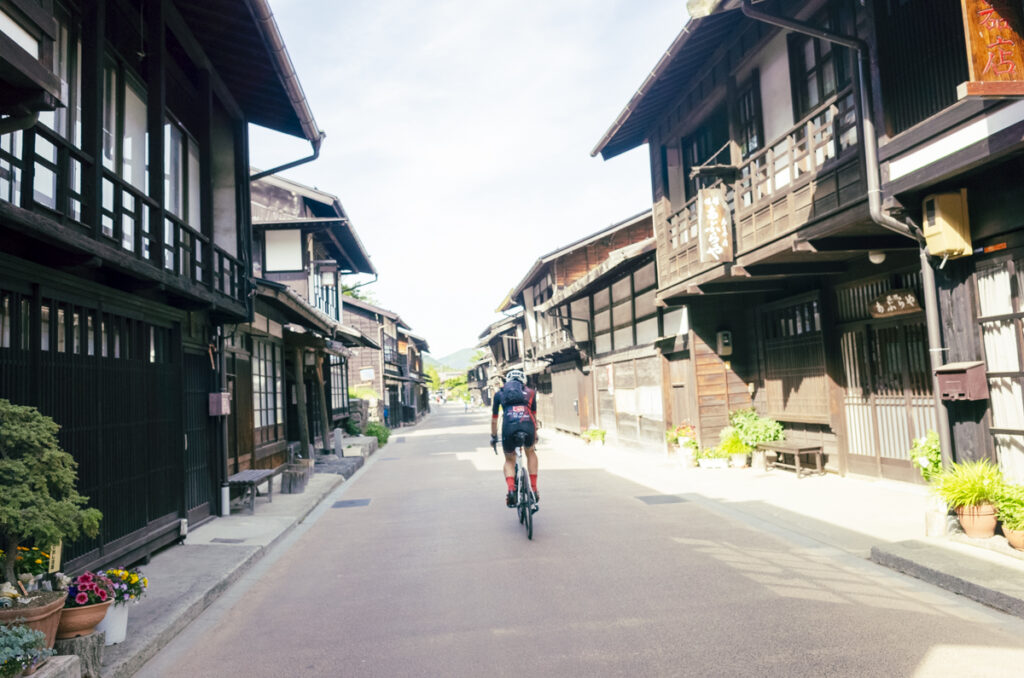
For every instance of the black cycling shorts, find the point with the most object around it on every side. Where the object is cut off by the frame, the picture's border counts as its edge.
(508, 437)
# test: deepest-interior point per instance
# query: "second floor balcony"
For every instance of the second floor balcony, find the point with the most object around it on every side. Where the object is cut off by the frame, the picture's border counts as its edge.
(811, 172)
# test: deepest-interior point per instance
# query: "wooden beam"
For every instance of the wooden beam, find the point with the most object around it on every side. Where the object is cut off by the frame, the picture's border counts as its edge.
(93, 39)
(852, 244)
(156, 102)
(798, 268)
(300, 401)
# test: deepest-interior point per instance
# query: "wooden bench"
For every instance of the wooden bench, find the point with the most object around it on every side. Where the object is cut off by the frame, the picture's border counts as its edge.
(250, 479)
(796, 449)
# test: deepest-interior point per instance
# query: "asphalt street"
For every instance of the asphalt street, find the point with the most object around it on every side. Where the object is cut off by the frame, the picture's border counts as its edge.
(414, 567)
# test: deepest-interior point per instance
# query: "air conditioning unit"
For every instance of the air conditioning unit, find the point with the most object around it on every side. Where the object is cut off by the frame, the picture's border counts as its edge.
(947, 228)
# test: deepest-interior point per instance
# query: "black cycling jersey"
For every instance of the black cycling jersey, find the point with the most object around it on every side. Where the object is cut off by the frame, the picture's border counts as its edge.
(518, 418)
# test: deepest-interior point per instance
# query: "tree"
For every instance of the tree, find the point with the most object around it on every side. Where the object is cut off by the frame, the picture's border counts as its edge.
(38, 499)
(435, 378)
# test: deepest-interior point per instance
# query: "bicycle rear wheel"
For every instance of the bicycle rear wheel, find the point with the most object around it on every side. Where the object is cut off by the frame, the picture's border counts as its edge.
(526, 502)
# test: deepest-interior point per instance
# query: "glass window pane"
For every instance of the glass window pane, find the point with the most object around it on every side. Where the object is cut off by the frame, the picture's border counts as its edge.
(173, 170)
(622, 314)
(45, 329)
(135, 142)
(647, 331)
(602, 321)
(601, 299)
(994, 293)
(645, 304)
(109, 117)
(644, 277)
(623, 337)
(621, 289)
(603, 343)
(194, 199)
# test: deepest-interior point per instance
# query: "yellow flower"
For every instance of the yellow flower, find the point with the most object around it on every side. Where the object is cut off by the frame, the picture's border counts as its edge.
(39, 561)
(135, 578)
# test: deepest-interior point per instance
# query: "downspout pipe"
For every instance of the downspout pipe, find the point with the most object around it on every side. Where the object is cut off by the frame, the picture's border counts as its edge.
(294, 163)
(907, 228)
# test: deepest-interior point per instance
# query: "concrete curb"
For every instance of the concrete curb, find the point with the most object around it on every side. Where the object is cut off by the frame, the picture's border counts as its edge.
(996, 585)
(127, 666)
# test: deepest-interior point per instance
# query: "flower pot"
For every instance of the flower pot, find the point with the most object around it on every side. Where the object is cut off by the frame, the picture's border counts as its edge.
(738, 460)
(114, 625)
(43, 616)
(979, 522)
(713, 463)
(935, 517)
(1015, 538)
(81, 621)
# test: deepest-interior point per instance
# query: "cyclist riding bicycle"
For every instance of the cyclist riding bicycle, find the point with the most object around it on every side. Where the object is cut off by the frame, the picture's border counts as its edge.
(519, 414)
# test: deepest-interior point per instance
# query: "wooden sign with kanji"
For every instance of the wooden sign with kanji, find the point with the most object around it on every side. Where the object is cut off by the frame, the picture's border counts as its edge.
(995, 51)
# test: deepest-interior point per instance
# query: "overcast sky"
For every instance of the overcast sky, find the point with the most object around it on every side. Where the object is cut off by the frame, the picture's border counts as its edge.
(459, 135)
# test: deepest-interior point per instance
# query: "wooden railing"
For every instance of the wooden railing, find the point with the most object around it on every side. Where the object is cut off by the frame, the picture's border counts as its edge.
(42, 172)
(810, 171)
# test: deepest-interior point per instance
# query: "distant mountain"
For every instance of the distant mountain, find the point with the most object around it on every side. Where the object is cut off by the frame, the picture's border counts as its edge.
(460, 360)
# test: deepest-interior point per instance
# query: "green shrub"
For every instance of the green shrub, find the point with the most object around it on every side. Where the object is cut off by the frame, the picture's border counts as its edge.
(38, 500)
(362, 393)
(970, 484)
(731, 443)
(711, 453)
(926, 455)
(1010, 507)
(20, 648)
(378, 431)
(753, 428)
(351, 427)
(594, 435)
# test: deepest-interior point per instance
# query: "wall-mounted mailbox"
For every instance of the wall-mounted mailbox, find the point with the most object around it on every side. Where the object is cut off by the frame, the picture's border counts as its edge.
(220, 404)
(962, 381)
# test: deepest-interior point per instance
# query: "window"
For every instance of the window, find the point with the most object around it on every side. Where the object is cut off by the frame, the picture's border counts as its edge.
(748, 110)
(819, 68)
(339, 384)
(181, 175)
(125, 151)
(707, 145)
(284, 250)
(268, 392)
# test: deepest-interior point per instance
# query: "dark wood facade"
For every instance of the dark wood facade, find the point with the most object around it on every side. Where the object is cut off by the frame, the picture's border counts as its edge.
(123, 218)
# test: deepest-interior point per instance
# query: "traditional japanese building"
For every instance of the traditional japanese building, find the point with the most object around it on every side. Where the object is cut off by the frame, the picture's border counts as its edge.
(124, 224)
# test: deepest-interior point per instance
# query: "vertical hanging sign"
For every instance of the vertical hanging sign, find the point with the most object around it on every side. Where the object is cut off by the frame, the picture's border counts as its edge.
(714, 222)
(995, 51)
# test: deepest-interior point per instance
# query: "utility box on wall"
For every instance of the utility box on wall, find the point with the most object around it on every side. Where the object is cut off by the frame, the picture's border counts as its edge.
(963, 381)
(220, 404)
(947, 229)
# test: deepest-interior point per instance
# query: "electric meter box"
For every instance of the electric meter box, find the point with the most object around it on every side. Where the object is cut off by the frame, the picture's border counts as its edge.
(947, 229)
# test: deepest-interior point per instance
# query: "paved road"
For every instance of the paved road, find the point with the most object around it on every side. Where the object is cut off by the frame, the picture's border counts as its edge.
(422, 571)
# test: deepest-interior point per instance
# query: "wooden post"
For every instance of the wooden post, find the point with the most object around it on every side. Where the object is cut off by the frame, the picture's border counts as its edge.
(156, 101)
(300, 402)
(323, 398)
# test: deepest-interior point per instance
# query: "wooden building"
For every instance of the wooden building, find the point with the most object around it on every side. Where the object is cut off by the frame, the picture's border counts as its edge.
(124, 223)
(951, 148)
(769, 233)
(391, 374)
(548, 346)
(296, 343)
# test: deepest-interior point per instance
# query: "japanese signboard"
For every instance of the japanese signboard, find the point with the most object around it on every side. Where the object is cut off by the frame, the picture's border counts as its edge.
(995, 51)
(714, 222)
(894, 302)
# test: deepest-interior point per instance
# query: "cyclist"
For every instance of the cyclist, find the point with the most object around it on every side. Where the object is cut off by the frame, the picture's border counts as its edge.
(519, 414)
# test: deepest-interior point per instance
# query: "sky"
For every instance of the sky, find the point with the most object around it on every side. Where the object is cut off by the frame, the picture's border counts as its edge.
(459, 135)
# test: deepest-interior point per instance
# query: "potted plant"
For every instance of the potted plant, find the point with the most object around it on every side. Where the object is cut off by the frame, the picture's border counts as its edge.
(1010, 508)
(733, 447)
(22, 650)
(38, 504)
(971, 489)
(925, 454)
(754, 429)
(89, 596)
(129, 587)
(682, 442)
(594, 435)
(713, 457)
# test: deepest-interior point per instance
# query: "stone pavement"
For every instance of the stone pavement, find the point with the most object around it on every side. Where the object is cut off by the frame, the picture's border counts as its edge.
(878, 520)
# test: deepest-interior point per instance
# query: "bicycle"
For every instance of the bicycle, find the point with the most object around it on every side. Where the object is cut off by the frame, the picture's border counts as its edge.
(526, 500)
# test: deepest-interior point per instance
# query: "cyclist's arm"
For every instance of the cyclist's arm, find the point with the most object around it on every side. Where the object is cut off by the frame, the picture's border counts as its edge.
(494, 416)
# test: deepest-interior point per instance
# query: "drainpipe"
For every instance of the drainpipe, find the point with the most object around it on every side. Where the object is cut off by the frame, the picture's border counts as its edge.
(873, 171)
(294, 163)
(16, 123)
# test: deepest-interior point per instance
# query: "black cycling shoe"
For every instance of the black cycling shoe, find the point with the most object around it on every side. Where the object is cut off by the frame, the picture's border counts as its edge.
(510, 500)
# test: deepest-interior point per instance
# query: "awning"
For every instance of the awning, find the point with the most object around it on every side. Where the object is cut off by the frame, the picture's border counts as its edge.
(353, 337)
(293, 309)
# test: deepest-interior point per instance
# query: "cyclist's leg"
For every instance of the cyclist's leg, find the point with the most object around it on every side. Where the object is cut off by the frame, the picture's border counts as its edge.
(510, 478)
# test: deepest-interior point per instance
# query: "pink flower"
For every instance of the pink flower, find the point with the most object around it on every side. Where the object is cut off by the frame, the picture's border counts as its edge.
(86, 586)
(82, 599)
(102, 594)
(85, 578)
